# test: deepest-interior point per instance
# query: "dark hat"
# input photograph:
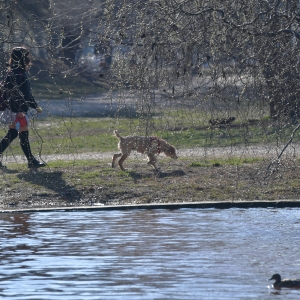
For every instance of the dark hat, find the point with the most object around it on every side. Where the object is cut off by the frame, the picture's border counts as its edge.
(19, 58)
(19, 53)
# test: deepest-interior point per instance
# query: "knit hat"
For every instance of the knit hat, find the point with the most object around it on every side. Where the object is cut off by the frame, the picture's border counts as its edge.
(19, 57)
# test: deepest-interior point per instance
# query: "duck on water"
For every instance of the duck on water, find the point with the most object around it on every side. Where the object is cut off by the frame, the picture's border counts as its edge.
(285, 283)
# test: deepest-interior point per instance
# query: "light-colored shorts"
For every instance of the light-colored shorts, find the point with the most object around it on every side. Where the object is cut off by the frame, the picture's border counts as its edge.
(8, 117)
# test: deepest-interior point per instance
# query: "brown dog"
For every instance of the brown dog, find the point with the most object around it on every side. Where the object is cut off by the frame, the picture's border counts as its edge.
(151, 146)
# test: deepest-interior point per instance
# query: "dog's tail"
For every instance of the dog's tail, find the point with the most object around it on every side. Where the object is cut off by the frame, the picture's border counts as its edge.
(117, 134)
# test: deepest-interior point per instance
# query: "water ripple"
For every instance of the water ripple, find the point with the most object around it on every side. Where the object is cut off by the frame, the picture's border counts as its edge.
(148, 254)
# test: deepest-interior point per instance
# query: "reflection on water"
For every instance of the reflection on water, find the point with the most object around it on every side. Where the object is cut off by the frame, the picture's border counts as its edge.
(149, 254)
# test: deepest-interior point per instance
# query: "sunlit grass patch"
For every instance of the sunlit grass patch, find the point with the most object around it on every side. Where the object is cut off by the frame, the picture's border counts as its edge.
(226, 161)
(57, 86)
(79, 135)
(200, 164)
(73, 163)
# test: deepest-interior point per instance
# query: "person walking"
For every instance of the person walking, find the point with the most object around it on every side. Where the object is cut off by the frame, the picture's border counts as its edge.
(19, 99)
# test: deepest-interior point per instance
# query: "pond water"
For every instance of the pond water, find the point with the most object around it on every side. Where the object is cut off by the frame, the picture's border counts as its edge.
(149, 254)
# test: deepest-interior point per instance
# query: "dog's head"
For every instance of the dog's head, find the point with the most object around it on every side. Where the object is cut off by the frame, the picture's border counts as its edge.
(170, 151)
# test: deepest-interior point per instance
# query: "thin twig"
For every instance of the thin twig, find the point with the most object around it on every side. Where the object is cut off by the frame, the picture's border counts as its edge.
(283, 149)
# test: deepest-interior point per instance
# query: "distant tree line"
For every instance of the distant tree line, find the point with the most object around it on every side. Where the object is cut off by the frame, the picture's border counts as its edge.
(225, 52)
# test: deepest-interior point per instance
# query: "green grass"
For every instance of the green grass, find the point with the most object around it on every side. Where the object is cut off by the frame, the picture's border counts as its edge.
(226, 161)
(186, 181)
(75, 89)
(60, 84)
(78, 135)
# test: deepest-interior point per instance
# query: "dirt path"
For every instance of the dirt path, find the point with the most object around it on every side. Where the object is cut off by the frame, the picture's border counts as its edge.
(268, 152)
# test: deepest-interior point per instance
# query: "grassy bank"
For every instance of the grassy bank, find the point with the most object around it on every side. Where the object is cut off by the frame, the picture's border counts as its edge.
(87, 182)
(189, 179)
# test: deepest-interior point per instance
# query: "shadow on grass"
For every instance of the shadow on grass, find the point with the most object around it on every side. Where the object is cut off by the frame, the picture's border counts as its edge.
(51, 181)
(137, 176)
(174, 173)
(8, 171)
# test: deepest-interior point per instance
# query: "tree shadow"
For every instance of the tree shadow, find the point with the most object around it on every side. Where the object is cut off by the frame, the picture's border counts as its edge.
(52, 181)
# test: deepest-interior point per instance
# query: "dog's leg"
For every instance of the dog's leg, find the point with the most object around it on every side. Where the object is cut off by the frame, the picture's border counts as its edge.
(115, 156)
(152, 162)
(122, 159)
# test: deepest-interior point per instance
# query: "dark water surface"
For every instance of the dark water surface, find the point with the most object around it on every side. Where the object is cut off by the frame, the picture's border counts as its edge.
(149, 254)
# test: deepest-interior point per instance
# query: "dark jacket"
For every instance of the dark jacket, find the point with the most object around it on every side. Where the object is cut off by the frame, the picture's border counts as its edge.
(18, 91)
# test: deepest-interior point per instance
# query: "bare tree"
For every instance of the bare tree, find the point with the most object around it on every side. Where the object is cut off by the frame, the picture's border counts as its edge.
(231, 52)
(224, 57)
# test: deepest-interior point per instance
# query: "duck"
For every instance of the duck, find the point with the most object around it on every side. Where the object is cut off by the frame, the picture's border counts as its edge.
(285, 283)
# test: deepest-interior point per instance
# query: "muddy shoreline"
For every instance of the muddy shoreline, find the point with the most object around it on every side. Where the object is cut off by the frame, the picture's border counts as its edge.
(172, 206)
